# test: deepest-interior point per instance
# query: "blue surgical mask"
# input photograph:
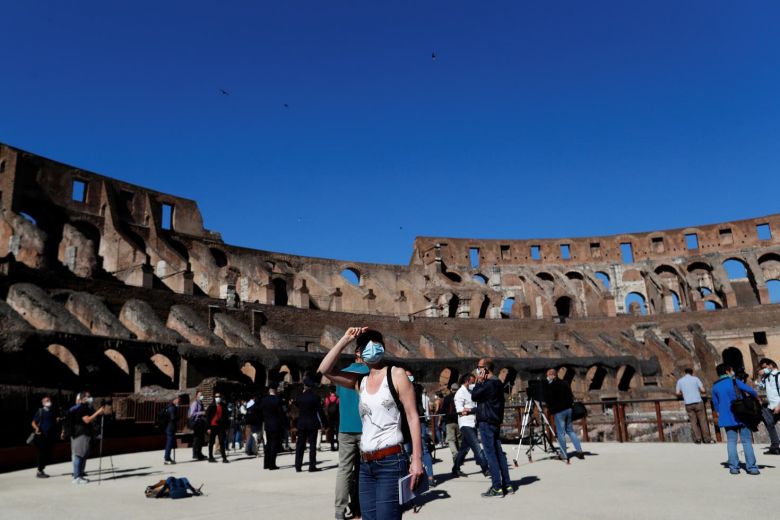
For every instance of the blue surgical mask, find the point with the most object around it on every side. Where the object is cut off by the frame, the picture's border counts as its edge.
(411, 379)
(373, 352)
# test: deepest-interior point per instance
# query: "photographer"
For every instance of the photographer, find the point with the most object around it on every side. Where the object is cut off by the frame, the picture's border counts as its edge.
(559, 399)
(81, 416)
(488, 393)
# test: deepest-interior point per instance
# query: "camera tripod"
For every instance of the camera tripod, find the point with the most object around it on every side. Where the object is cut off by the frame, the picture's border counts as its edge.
(100, 451)
(543, 438)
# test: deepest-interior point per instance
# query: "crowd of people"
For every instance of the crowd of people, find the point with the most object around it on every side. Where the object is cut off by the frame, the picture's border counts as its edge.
(384, 426)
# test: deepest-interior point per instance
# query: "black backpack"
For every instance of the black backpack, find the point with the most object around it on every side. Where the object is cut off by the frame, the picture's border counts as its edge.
(404, 423)
(746, 408)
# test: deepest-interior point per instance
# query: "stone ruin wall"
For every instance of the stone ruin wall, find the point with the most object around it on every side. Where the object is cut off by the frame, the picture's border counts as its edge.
(162, 300)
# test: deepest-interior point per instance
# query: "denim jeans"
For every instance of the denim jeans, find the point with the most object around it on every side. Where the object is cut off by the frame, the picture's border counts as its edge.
(170, 440)
(747, 444)
(379, 487)
(769, 422)
(79, 465)
(563, 427)
(496, 458)
(468, 441)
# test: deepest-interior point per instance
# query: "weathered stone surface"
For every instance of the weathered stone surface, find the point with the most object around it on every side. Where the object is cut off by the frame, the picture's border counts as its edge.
(39, 310)
(23, 239)
(77, 252)
(191, 326)
(93, 314)
(141, 320)
(10, 321)
(234, 333)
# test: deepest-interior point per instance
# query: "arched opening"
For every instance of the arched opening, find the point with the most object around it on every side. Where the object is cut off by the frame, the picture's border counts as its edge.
(480, 278)
(164, 365)
(567, 374)
(249, 371)
(675, 301)
(624, 384)
(666, 269)
(547, 277)
(351, 275)
(28, 218)
(452, 276)
(447, 376)
(180, 248)
(736, 269)
(452, 306)
(704, 291)
(696, 266)
(636, 304)
(219, 256)
(604, 279)
(2, 166)
(732, 356)
(483, 309)
(280, 292)
(773, 286)
(506, 307)
(286, 375)
(563, 306)
(597, 375)
(65, 356)
(574, 275)
(118, 359)
(710, 305)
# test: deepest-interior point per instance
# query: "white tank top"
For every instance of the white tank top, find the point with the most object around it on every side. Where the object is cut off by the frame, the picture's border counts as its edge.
(380, 416)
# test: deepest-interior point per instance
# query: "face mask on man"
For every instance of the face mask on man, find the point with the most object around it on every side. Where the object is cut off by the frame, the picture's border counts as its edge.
(767, 371)
(47, 404)
(90, 400)
(200, 398)
(373, 352)
(550, 379)
(217, 400)
(471, 387)
(411, 379)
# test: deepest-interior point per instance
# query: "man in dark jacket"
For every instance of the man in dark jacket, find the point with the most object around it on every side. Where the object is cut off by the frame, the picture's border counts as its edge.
(310, 414)
(272, 415)
(170, 429)
(217, 421)
(46, 430)
(559, 399)
(488, 393)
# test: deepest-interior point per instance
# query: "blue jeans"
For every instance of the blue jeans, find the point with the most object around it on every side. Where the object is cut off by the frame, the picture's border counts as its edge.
(496, 458)
(468, 441)
(426, 455)
(79, 465)
(563, 427)
(747, 444)
(170, 440)
(379, 487)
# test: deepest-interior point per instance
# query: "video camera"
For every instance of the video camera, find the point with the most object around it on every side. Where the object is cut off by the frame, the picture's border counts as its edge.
(535, 390)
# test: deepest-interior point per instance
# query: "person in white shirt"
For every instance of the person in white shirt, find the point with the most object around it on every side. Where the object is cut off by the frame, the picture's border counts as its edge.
(467, 421)
(770, 381)
(690, 388)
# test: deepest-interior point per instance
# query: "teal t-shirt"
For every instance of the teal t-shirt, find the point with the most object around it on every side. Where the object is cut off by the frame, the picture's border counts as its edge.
(349, 416)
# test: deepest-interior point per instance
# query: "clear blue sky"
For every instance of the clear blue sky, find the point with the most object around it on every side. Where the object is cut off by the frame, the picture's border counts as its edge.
(537, 119)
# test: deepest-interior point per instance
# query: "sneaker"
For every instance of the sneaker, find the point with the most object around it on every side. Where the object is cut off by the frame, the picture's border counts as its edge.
(41, 474)
(493, 493)
(772, 451)
(80, 481)
(509, 491)
(754, 472)
(457, 472)
(734, 471)
(225, 461)
(167, 462)
(212, 459)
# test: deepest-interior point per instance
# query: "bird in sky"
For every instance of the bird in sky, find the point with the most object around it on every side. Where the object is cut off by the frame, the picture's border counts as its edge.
(224, 92)
(433, 56)
(286, 105)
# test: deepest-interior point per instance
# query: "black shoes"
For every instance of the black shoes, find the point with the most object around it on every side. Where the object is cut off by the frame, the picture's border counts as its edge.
(212, 459)
(772, 451)
(225, 461)
(41, 474)
(490, 493)
(167, 462)
(314, 470)
(456, 472)
(579, 455)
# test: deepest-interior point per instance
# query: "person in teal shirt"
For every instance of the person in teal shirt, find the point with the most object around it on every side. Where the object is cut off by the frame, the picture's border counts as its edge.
(350, 428)
(724, 391)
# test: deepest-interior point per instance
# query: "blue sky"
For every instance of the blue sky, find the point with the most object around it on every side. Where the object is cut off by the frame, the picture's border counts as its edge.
(537, 119)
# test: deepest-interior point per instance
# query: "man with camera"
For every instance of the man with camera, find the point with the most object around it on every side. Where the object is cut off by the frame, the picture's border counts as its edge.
(559, 399)
(770, 381)
(80, 429)
(488, 393)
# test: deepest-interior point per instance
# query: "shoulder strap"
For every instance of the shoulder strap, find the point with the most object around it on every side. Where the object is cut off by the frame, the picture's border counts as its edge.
(777, 384)
(393, 391)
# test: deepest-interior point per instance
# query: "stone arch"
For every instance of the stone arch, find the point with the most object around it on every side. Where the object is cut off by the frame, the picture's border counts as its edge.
(65, 356)
(625, 376)
(219, 257)
(596, 376)
(452, 306)
(180, 248)
(773, 286)
(480, 278)
(352, 275)
(118, 359)
(566, 373)
(254, 372)
(164, 365)
(732, 356)
(483, 308)
(2, 166)
(574, 275)
(564, 306)
(699, 265)
(636, 303)
(545, 276)
(604, 279)
(447, 376)
(507, 306)
(667, 269)
(675, 301)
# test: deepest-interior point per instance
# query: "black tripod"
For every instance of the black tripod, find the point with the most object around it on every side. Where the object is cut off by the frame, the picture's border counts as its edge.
(540, 432)
(100, 451)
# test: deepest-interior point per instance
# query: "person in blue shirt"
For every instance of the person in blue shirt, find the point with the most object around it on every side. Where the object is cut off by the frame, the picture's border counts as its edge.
(723, 393)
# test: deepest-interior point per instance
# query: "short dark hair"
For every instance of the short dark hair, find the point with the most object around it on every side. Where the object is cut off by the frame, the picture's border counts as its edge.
(689, 371)
(489, 365)
(723, 369)
(767, 361)
(464, 378)
(369, 335)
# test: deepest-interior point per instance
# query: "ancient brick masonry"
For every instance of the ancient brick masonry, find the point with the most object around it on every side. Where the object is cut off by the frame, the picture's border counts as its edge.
(107, 284)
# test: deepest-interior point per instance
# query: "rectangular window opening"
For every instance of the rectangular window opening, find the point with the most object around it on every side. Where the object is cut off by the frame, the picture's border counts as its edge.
(167, 216)
(506, 254)
(725, 236)
(658, 244)
(692, 241)
(759, 338)
(79, 190)
(536, 252)
(764, 232)
(595, 249)
(627, 252)
(474, 257)
(565, 252)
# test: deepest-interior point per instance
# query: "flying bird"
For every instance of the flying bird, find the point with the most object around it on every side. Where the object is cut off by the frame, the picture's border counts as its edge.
(433, 56)
(224, 92)
(286, 105)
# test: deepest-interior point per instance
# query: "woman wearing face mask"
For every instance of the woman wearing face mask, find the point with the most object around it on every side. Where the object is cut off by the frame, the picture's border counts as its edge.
(383, 461)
